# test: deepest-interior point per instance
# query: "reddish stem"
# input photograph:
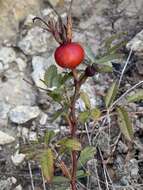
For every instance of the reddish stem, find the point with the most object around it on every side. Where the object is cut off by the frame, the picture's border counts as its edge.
(73, 124)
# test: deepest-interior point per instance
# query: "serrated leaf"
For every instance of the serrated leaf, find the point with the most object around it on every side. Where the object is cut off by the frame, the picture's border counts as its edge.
(47, 164)
(50, 74)
(70, 144)
(89, 53)
(111, 94)
(125, 123)
(138, 96)
(81, 174)
(95, 114)
(85, 155)
(84, 116)
(105, 69)
(56, 96)
(48, 136)
(85, 98)
(60, 179)
(106, 60)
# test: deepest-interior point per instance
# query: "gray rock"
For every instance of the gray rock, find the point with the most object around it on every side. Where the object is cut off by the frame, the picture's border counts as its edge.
(40, 64)
(15, 91)
(136, 44)
(4, 109)
(21, 64)
(133, 168)
(13, 12)
(103, 142)
(7, 184)
(35, 42)
(122, 148)
(32, 136)
(22, 114)
(7, 56)
(43, 119)
(17, 158)
(5, 138)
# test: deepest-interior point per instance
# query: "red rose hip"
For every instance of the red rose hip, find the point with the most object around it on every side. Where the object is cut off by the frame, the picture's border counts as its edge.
(69, 55)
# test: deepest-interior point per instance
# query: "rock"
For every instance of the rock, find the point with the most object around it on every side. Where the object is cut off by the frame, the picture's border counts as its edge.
(22, 114)
(17, 159)
(4, 109)
(7, 184)
(15, 91)
(19, 187)
(5, 138)
(92, 169)
(29, 21)
(13, 12)
(21, 64)
(40, 64)
(32, 136)
(89, 89)
(7, 56)
(136, 44)
(103, 141)
(43, 119)
(35, 42)
(122, 148)
(133, 168)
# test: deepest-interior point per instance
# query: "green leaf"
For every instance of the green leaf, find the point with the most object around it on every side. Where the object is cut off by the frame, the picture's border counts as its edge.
(90, 54)
(85, 98)
(116, 47)
(50, 74)
(85, 155)
(104, 69)
(106, 60)
(56, 115)
(81, 174)
(56, 96)
(47, 164)
(138, 96)
(57, 81)
(111, 94)
(125, 123)
(48, 136)
(70, 144)
(109, 41)
(95, 114)
(84, 116)
(60, 179)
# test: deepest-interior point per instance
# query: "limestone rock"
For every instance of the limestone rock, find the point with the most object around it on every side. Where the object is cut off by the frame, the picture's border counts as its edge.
(7, 55)
(35, 42)
(22, 114)
(40, 64)
(17, 159)
(136, 44)
(13, 12)
(5, 138)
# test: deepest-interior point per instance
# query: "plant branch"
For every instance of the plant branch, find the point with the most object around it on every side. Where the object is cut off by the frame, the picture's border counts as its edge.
(73, 123)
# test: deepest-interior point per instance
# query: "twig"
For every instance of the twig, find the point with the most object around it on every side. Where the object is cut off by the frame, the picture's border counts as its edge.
(125, 66)
(123, 95)
(104, 170)
(44, 186)
(31, 177)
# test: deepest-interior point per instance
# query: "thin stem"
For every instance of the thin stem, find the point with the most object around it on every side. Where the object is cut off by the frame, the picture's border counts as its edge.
(73, 124)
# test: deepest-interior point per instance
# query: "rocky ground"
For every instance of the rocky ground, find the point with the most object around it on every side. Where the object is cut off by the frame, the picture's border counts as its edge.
(26, 51)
